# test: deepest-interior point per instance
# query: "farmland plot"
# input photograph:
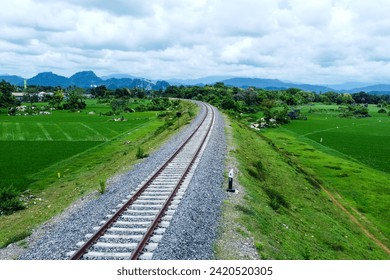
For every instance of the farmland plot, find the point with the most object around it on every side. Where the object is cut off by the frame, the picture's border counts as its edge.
(366, 140)
(29, 144)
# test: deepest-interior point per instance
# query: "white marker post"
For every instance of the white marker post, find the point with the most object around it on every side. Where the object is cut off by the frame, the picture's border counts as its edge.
(230, 188)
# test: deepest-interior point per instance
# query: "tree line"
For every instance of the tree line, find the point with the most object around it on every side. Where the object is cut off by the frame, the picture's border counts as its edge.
(276, 103)
(279, 105)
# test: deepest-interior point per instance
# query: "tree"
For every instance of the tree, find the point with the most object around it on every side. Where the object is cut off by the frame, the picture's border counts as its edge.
(119, 105)
(99, 92)
(7, 100)
(56, 100)
(268, 103)
(123, 93)
(31, 96)
(281, 116)
(325, 99)
(75, 99)
(139, 92)
(332, 96)
(228, 103)
(347, 98)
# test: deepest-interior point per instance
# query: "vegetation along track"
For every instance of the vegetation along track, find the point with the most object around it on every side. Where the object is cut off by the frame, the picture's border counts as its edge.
(135, 228)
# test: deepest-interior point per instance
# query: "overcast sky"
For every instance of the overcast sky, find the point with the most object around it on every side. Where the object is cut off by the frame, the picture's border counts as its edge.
(311, 41)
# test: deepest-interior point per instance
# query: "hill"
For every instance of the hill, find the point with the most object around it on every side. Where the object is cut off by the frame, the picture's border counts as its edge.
(273, 84)
(12, 79)
(374, 89)
(198, 82)
(86, 79)
(49, 79)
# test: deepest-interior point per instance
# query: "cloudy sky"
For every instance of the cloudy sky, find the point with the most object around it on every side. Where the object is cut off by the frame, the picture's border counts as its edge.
(316, 41)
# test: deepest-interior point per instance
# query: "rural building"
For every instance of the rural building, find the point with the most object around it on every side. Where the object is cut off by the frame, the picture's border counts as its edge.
(18, 95)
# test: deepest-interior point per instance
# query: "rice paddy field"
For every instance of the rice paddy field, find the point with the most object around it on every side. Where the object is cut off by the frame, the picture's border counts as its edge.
(29, 144)
(364, 139)
(349, 157)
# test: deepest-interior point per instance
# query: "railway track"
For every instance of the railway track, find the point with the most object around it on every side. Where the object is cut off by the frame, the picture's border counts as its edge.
(134, 229)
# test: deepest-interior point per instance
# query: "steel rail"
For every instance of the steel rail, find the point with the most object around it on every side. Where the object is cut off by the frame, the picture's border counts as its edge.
(137, 251)
(101, 231)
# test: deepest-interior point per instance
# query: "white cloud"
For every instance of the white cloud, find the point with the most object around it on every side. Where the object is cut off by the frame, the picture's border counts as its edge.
(319, 41)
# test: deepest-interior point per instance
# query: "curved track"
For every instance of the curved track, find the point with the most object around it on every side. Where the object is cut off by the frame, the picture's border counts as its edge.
(136, 226)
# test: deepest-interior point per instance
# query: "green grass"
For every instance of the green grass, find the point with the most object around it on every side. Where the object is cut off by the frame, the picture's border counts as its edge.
(68, 126)
(286, 211)
(21, 159)
(29, 144)
(61, 178)
(353, 161)
(365, 140)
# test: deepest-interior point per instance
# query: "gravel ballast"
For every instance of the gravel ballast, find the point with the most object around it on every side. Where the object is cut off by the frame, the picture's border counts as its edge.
(193, 228)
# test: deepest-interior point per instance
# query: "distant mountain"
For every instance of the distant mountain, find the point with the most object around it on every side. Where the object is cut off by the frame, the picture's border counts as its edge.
(118, 76)
(272, 84)
(275, 84)
(375, 89)
(12, 79)
(200, 81)
(317, 89)
(255, 82)
(161, 85)
(49, 79)
(348, 86)
(86, 79)
(114, 83)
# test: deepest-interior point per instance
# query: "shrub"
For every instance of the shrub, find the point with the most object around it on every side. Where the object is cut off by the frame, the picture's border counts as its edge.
(140, 153)
(382, 111)
(9, 201)
(191, 113)
(102, 187)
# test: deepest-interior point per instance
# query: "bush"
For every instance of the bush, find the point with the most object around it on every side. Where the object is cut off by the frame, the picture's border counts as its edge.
(9, 201)
(102, 187)
(382, 111)
(191, 113)
(141, 153)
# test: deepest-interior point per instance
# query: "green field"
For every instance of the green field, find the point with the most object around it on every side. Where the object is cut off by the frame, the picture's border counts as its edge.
(29, 144)
(365, 139)
(29, 157)
(351, 161)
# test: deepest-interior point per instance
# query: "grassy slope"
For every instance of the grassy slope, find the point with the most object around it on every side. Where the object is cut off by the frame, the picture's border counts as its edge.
(288, 216)
(80, 175)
